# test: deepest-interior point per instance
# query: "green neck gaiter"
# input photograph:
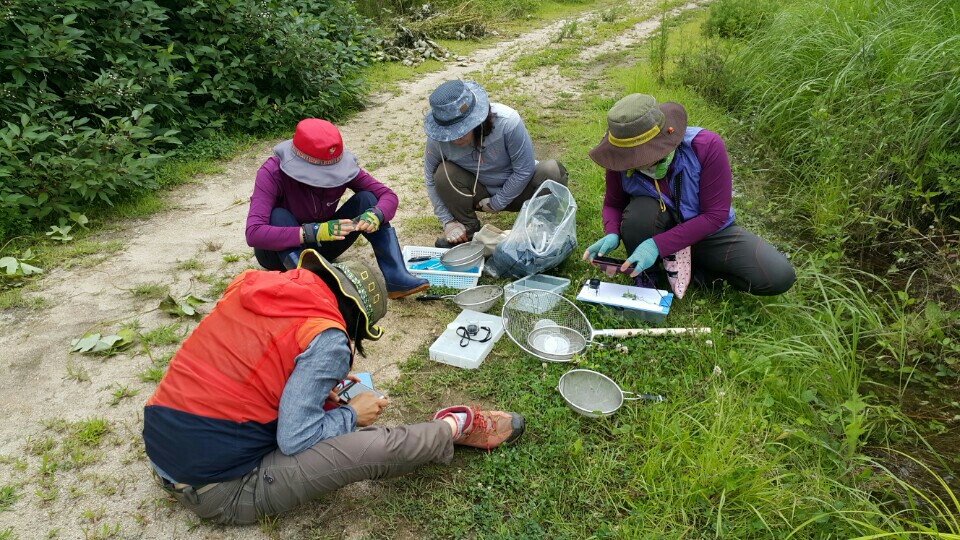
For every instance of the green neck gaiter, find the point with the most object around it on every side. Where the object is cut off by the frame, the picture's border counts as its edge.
(659, 170)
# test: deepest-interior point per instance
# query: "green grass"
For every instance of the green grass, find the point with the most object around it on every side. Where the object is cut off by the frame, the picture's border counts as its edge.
(8, 496)
(168, 334)
(204, 156)
(120, 393)
(14, 298)
(861, 102)
(150, 291)
(764, 430)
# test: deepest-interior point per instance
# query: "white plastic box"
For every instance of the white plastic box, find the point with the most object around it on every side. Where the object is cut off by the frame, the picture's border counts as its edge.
(446, 278)
(446, 349)
(540, 282)
(640, 303)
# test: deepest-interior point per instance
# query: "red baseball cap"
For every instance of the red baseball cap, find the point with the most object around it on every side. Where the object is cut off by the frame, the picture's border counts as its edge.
(316, 156)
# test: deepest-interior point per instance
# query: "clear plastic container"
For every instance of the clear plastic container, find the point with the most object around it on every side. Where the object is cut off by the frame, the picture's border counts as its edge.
(540, 282)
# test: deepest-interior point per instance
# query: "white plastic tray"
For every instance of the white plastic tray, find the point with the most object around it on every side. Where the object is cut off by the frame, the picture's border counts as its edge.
(446, 349)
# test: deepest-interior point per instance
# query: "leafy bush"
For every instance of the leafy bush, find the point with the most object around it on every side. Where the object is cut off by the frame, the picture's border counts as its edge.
(707, 71)
(738, 18)
(94, 94)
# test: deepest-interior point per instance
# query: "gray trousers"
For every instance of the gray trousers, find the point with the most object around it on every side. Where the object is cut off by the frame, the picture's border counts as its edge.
(284, 482)
(449, 175)
(735, 255)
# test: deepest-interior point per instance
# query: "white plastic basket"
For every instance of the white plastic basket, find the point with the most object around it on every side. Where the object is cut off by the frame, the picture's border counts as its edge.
(456, 280)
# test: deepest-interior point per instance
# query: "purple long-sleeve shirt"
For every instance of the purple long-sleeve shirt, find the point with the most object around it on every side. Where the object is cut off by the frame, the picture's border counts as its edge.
(716, 190)
(274, 189)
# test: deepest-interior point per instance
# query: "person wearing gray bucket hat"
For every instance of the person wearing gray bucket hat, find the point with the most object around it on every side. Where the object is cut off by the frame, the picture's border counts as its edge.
(295, 205)
(478, 157)
(668, 196)
(248, 420)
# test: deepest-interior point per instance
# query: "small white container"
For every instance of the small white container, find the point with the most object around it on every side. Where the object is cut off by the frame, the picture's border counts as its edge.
(446, 349)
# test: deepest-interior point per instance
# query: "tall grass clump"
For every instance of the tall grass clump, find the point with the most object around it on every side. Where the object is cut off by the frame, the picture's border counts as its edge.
(861, 97)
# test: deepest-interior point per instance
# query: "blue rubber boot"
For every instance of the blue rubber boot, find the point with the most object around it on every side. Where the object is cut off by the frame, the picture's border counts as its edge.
(386, 247)
(291, 259)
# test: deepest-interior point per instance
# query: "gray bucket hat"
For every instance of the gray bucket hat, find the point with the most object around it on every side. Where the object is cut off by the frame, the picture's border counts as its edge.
(354, 281)
(316, 156)
(456, 107)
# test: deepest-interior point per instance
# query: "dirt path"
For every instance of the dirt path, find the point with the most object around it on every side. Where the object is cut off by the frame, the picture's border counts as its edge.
(185, 248)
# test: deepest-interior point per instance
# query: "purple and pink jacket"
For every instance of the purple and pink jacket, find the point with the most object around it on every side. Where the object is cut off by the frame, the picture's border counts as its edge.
(274, 189)
(715, 193)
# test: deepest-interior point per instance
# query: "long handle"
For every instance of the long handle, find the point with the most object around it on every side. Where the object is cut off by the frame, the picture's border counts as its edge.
(630, 332)
(648, 397)
(428, 297)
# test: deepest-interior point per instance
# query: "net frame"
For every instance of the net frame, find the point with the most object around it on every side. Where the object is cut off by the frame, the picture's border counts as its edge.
(479, 298)
(530, 310)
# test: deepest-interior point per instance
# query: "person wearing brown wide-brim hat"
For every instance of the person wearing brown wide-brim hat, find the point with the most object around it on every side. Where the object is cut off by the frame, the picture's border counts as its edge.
(478, 158)
(668, 196)
(296, 206)
(247, 421)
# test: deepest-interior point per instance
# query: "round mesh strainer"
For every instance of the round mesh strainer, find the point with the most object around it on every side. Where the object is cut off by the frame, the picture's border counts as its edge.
(594, 394)
(480, 298)
(546, 325)
(590, 393)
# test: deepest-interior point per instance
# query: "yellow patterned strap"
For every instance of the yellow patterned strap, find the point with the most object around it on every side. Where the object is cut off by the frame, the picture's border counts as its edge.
(663, 206)
(634, 141)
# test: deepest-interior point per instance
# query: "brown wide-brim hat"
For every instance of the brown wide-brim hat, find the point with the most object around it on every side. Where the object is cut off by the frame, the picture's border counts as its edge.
(640, 133)
(354, 281)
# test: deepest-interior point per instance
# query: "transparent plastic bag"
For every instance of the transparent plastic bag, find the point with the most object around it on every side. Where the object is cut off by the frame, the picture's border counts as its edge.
(544, 234)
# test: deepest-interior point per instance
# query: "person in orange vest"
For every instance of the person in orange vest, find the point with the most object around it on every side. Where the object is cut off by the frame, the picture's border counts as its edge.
(246, 423)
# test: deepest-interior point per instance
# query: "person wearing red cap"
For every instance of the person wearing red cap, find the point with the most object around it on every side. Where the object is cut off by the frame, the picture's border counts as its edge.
(295, 206)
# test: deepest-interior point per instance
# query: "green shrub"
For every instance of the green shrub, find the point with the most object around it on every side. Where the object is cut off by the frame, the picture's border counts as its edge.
(738, 18)
(94, 93)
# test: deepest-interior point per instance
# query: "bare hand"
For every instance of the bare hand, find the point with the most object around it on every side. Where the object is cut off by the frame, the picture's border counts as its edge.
(368, 408)
(333, 399)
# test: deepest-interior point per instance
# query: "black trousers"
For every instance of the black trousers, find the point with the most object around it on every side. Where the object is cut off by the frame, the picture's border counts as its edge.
(735, 255)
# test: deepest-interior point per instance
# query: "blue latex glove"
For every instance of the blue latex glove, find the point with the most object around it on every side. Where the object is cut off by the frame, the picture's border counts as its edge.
(602, 246)
(642, 258)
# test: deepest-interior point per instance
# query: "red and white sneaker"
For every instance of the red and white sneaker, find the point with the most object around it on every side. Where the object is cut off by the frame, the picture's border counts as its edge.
(483, 429)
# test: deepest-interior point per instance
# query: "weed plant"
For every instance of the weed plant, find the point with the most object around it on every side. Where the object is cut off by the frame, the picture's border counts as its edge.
(861, 98)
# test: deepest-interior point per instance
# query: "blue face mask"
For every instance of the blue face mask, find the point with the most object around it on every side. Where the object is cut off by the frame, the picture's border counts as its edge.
(659, 169)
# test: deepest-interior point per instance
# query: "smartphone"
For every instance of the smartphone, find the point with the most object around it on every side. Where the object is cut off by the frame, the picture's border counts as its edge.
(352, 389)
(607, 262)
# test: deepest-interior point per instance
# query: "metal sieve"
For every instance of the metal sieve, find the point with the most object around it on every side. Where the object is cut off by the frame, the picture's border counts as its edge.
(480, 298)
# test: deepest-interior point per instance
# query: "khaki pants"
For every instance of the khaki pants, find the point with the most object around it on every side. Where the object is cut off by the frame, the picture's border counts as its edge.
(448, 175)
(283, 482)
